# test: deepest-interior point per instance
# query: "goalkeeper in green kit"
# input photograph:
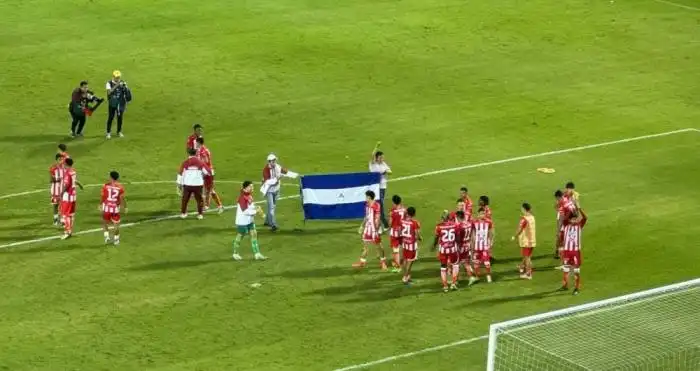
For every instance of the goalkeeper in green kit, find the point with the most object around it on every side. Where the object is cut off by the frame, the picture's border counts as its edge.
(245, 221)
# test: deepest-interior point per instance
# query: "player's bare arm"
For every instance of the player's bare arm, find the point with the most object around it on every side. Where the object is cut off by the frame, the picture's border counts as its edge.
(80, 185)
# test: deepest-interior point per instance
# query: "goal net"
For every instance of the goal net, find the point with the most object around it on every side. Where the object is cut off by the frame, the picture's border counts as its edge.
(657, 330)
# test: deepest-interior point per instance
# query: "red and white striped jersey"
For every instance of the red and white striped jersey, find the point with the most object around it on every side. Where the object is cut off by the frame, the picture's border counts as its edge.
(565, 206)
(409, 233)
(56, 173)
(572, 235)
(446, 232)
(112, 195)
(192, 142)
(398, 213)
(70, 181)
(204, 154)
(468, 206)
(465, 233)
(372, 212)
(481, 235)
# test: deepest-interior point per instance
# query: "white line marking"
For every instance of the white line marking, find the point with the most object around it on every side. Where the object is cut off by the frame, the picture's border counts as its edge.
(443, 171)
(11, 195)
(411, 354)
(678, 6)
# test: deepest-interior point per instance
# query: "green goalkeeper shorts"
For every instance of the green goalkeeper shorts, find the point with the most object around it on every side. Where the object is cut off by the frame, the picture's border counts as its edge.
(245, 229)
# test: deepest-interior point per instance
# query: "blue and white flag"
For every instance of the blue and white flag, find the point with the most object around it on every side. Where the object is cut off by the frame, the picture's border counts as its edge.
(337, 196)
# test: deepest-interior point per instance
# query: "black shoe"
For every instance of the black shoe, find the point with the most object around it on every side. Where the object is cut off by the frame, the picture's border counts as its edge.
(556, 256)
(564, 288)
(575, 292)
(274, 228)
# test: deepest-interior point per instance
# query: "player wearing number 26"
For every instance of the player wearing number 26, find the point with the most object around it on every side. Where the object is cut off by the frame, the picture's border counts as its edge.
(112, 203)
(446, 239)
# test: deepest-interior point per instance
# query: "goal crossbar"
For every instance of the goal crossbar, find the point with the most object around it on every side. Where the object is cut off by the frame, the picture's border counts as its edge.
(537, 319)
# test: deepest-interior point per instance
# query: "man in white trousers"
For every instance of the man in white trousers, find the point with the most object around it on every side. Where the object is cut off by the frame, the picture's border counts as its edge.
(272, 174)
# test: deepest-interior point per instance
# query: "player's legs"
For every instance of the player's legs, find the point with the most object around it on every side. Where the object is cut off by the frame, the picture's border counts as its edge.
(363, 256)
(81, 124)
(241, 231)
(106, 227)
(455, 273)
(56, 218)
(186, 194)
(115, 220)
(213, 194)
(395, 243)
(381, 254)
(487, 265)
(443, 274)
(566, 269)
(198, 198)
(254, 242)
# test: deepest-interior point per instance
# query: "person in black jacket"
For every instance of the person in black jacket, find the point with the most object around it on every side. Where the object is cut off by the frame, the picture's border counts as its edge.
(79, 107)
(118, 95)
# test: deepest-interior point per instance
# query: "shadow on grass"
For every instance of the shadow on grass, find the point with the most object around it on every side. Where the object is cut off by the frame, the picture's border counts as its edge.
(325, 272)
(516, 298)
(308, 231)
(55, 246)
(518, 259)
(166, 265)
(36, 139)
(20, 227)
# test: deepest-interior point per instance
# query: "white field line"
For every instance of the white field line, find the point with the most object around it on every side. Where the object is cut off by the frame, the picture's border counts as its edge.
(46, 190)
(411, 354)
(436, 172)
(677, 5)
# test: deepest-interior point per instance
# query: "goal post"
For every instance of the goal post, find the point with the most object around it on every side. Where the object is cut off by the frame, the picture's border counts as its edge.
(655, 330)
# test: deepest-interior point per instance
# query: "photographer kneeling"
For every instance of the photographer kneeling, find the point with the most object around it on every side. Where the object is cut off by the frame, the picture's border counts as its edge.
(79, 107)
(118, 95)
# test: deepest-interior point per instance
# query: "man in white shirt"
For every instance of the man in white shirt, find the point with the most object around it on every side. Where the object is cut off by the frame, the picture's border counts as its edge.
(272, 174)
(378, 165)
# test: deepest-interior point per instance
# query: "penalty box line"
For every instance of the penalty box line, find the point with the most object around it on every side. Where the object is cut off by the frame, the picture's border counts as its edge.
(398, 179)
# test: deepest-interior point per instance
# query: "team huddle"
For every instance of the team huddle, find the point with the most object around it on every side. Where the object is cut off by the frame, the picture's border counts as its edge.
(464, 238)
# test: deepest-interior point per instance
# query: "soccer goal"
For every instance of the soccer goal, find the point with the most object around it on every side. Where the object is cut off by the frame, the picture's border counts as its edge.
(657, 330)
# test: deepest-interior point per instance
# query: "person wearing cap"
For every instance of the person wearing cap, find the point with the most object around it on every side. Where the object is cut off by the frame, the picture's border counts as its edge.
(272, 174)
(118, 95)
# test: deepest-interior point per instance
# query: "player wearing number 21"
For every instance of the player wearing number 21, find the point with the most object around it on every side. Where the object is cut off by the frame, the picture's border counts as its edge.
(113, 202)
(410, 235)
(571, 249)
(482, 240)
(446, 240)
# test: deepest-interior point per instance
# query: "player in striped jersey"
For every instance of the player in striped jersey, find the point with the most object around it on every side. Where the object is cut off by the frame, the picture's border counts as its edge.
(482, 240)
(464, 233)
(68, 197)
(397, 215)
(56, 186)
(63, 152)
(370, 232)
(571, 249)
(204, 154)
(565, 207)
(410, 235)
(446, 240)
(112, 202)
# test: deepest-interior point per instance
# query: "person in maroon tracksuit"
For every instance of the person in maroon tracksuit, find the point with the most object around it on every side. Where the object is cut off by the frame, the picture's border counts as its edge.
(190, 179)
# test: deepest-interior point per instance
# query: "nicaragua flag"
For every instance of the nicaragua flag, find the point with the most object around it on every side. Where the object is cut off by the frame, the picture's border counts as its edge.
(337, 196)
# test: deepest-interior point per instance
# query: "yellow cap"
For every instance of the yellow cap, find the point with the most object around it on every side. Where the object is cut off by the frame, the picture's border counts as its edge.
(116, 73)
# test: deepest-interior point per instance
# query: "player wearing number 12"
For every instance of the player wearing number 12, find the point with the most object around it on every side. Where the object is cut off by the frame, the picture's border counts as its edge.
(410, 235)
(446, 240)
(113, 202)
(398, 213)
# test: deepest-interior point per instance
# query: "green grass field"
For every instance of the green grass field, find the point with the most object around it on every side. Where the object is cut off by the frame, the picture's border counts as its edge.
(441, 84)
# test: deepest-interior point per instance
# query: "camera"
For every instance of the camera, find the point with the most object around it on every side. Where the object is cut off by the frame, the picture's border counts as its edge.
(91, 98)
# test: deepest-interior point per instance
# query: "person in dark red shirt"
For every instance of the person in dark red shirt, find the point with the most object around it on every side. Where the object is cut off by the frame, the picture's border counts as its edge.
(79, 108)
